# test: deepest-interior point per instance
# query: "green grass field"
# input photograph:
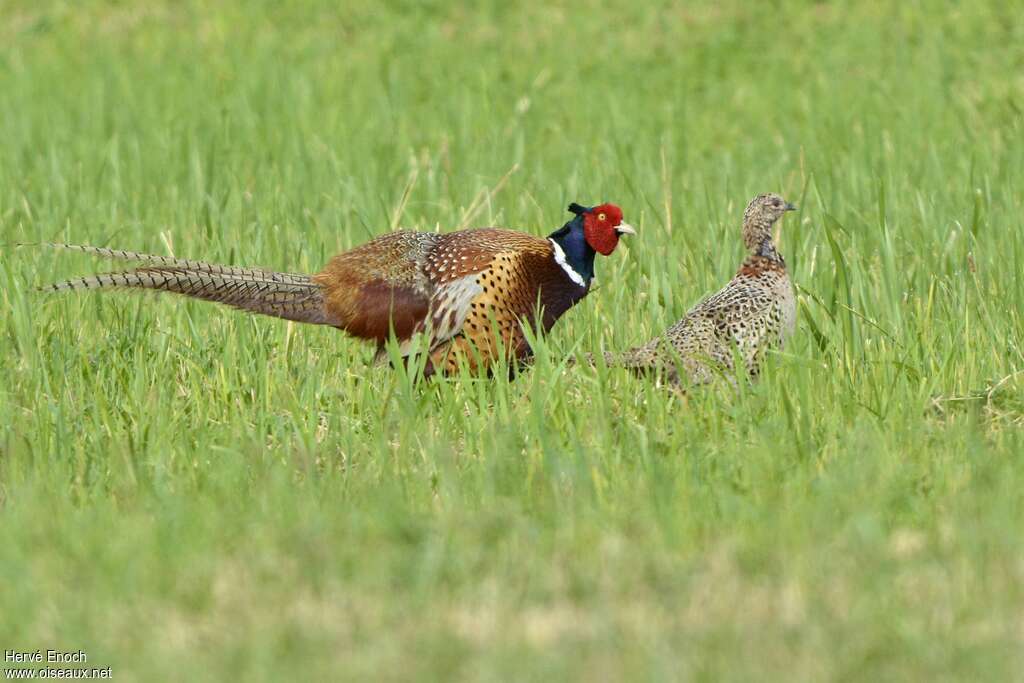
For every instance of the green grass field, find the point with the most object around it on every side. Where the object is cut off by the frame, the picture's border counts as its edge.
(191, 493)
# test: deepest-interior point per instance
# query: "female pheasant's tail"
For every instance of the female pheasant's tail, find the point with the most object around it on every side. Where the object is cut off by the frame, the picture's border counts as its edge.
(291, 296)
(590, 359)
(636, 359)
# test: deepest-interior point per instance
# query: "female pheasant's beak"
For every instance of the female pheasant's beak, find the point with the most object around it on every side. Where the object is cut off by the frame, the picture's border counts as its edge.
(625, 229)
(790, 206)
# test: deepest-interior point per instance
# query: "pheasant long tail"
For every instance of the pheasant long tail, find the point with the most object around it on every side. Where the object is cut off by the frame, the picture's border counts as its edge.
(629, 359)
(291, 296)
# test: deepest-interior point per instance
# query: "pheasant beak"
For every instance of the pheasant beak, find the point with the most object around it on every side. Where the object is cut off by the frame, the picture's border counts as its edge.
(625, 229)
(790, 207)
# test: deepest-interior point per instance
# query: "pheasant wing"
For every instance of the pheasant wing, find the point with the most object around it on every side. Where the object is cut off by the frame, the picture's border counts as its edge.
(485, 282)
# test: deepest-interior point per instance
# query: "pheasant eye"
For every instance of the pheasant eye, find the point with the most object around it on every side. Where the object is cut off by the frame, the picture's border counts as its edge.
(601, 216)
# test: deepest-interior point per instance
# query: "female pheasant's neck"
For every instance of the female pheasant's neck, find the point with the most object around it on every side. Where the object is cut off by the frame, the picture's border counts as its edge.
(573, 254)
(767, 250)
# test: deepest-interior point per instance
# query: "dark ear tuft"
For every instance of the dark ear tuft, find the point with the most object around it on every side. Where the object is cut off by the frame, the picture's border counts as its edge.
(577, 209)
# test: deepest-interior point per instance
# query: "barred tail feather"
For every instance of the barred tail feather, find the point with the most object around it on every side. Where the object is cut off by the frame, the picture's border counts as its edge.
(187, 264)
(629, 359)
(290, 296)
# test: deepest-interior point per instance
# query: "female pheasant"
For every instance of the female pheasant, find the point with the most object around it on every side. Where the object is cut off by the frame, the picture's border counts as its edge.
(467, 293)
(755, 311)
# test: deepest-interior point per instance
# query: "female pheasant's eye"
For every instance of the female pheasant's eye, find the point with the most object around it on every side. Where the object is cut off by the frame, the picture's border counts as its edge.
(601, 216)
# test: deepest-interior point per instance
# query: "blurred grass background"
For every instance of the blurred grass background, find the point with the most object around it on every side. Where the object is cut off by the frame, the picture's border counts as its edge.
(188, 492)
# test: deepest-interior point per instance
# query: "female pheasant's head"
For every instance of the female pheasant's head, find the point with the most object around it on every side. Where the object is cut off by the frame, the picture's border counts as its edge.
(602, 226)
(760, 216)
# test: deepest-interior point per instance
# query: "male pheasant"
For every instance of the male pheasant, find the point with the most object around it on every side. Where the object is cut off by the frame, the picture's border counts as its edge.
(755, 311)
(467, 293)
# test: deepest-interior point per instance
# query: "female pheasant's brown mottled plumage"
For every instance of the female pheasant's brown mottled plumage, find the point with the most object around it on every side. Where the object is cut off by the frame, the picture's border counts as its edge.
(755, 311)
(454, 290)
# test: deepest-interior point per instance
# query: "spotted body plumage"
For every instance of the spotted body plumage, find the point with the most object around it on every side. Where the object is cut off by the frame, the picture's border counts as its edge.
(480, 317)
(466, 285)
(467, 295)
(755, 311)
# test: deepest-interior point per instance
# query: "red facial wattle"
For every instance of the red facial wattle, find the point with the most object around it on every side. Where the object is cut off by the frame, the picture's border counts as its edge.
(599, 228)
